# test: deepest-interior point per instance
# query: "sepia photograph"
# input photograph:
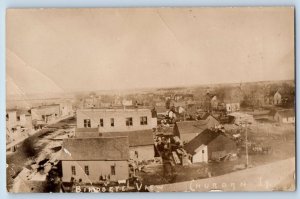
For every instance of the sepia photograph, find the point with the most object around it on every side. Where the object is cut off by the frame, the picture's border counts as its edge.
(178, 99)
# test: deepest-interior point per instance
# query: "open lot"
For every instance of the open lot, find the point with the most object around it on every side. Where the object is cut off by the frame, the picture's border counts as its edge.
(280, 139)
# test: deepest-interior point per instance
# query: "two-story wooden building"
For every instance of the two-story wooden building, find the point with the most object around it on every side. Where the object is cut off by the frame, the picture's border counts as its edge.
(91, 160)
(46, 113)
(116, 120)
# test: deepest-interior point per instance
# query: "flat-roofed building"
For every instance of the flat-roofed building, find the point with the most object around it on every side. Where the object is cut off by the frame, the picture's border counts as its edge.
(46, 113)
(116, 120)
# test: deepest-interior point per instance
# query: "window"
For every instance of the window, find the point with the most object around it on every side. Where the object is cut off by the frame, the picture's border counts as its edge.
(87, 123)
(144, 120)
(113, 170)
(18, 118)
(86, 170)
(136, 153)
(73, 170)
(202, 151)
(112, 122)
(101, 122)
(129, 121)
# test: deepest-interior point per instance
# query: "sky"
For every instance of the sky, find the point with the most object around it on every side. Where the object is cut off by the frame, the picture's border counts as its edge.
(68, 50)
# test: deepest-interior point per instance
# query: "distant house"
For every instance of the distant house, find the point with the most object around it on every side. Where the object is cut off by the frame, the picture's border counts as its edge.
(114, 120)
(18, 124)
(91, 160)
(24, 119)
(285, 116)
(127, 102)
(179, 103)
(187, 130)
(188, 97)
(162, 110)
(232, 107)
(241, 118)
(160, 104)
(66, 109)
(105, 104)
(209, 119)
(233, 98)
(193, 109)
(214, 102)
(46, 113)
(141, 143)
(18, 117)
(284, 97)
(277, 98)
(210, 145)
(90, 102)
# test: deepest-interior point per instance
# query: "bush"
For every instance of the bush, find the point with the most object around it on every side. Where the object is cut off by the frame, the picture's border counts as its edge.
(28, 147)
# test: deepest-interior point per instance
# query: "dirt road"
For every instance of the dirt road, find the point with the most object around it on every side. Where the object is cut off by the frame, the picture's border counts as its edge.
(277, 176)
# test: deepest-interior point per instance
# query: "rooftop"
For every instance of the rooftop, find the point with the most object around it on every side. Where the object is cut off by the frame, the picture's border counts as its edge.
(187, 127)
(287, 113)
(203, 138)
(113, 109)
(92, 149)
(136, 138)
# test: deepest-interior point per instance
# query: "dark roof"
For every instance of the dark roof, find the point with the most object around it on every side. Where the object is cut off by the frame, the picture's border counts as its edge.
(86, 130)
(208, 116)
(136, 138)
(286, 113)
(116, 148)
(187, 127)
(202, 139)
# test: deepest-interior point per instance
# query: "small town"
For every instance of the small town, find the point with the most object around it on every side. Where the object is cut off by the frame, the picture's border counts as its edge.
(129, 141)
(150, 99)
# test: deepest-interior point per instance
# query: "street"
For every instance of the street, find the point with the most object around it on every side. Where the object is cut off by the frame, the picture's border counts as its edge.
(34, 152)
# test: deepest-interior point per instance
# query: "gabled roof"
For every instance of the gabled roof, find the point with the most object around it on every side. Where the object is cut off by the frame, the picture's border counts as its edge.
(136, 138)
(95, 149)
(205, 116)
(202, 139)
(187, 127)
(286, 113)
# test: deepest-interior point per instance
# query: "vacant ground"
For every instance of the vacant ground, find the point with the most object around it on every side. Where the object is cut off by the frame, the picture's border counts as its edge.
(252, 179)
(280, 139)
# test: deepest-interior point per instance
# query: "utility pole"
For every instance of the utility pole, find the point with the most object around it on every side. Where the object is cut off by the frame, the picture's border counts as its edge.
(247, 158)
